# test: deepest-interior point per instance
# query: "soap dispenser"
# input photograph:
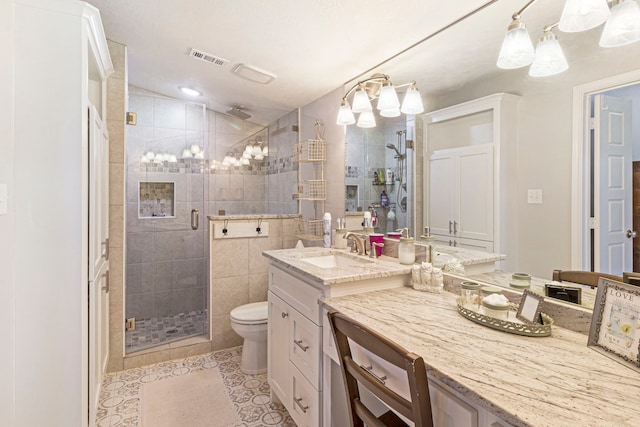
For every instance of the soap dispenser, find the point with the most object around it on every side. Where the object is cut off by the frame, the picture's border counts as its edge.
(406, 248)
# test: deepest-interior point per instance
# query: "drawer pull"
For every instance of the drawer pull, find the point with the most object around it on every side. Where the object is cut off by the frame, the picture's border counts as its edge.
(298, 402)
(299, 344)
(284, 315)
(369, 369)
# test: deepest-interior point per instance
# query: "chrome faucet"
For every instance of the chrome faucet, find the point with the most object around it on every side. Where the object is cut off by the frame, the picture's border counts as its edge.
(359, 241)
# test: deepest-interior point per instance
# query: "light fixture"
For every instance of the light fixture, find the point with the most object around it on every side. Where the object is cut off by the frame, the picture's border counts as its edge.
(582, 15)
(186, 153)
(623, 26)
(189, 91)
(412, 102)
(549, 58)
(517, 49)
(377, 86)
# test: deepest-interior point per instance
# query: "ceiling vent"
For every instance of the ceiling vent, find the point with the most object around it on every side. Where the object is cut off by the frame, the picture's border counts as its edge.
(207, 57)
(237, 112)
(254, 74)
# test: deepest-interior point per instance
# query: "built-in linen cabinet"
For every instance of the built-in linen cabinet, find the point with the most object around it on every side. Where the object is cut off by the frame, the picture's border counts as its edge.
(468, 148)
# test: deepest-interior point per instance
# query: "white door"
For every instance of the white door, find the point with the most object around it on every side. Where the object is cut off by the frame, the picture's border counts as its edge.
(441, 193)
(474, 200)
(98, 257)
(613, 190)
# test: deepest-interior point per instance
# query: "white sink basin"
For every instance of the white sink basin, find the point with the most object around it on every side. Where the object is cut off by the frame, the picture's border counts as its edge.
(440, 259)
(337, 261)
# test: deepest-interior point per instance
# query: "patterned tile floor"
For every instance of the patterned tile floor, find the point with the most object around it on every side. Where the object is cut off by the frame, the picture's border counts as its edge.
(161, 330)
(120, 397)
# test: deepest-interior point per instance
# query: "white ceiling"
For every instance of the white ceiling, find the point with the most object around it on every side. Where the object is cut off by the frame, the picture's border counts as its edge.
(312, 46)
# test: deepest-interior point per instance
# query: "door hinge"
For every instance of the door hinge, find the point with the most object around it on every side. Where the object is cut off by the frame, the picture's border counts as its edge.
(592, 122)
(131, 118)
(593, 223)
(130, 324)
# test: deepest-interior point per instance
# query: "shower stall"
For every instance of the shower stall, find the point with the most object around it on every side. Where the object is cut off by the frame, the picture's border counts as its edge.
(166, 259)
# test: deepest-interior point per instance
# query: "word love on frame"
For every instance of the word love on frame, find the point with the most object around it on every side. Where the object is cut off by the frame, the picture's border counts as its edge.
(615, 325)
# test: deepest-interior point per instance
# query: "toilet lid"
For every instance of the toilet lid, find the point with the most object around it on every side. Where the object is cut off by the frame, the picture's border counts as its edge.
(254, 312)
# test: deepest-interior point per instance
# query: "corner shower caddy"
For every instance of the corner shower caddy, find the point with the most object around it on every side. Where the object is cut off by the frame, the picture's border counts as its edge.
(313, 152)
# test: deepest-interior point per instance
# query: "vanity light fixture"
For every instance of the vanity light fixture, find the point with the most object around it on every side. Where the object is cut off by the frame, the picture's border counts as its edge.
(378, 86)
(622, 27)
(549, 58)
(189, 91)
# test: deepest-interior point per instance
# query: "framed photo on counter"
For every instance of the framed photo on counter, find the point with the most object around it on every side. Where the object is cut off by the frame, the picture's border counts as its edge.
(615, 325)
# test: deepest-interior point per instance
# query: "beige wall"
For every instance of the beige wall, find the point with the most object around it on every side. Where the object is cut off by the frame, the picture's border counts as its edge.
(7, 242)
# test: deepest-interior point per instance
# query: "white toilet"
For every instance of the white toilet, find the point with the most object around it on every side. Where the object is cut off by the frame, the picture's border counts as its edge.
(250, 322)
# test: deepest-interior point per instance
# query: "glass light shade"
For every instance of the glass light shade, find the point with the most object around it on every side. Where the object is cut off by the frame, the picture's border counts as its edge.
(361, 101)
(173, 159)
(394, 112)
(144, 159)
(265, 150)
(623, 26)
(195, 148)
(186, 153)
(412, 102)
(259, 156)
(388, 98)
(366, 120)
(550, 59)
(246, 154)
(345, 115)
(199, 155)
(157, 160)
(150, 155)
(256, 150)
(517, 50)
(245, 161)
(226, 161)
(582, 15)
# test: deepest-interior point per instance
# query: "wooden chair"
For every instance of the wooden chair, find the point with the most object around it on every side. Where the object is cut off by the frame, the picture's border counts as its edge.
(418, 410)
(589, 278)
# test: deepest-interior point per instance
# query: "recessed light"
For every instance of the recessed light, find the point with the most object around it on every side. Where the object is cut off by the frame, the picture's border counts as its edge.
(189, 91)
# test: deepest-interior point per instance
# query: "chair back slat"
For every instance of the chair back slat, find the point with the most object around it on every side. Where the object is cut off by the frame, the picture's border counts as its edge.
(418, 410)
(589, 278)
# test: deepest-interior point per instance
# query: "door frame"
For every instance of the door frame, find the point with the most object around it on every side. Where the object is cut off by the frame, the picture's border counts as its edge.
(581, 157)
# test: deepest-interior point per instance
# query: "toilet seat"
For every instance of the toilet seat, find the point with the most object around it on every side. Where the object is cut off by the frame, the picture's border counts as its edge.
(251, 314)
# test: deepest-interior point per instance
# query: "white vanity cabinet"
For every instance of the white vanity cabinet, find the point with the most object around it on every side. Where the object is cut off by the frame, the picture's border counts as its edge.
(295, 346)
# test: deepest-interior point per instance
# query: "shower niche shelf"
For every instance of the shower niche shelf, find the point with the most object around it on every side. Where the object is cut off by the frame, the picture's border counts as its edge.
(156, 200)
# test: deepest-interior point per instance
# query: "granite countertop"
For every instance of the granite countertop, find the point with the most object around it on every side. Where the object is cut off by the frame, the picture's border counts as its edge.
(552, 381)
(468, 256)
(292, 260)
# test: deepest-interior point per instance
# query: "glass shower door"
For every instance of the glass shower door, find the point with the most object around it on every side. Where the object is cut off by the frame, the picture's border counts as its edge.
(166, 261)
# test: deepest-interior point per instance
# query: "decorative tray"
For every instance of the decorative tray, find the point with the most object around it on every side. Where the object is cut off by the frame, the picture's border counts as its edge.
(512, 326)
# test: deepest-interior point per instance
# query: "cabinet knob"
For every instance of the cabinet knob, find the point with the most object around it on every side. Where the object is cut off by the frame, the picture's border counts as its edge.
(284, 315)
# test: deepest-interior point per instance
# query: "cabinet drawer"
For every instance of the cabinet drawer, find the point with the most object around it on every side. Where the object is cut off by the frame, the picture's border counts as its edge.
(304, 406)
(298, 294)
(305, 347)
(449, 411)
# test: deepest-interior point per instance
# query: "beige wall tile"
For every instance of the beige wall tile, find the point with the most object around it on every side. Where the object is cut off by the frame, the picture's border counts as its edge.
(230, 257)
(116, 95)
(223, 335)
(116, 305)
(116, 141)
(228, 293)
(116, 182)
(258, 287)
(257, 262)
(116, 226)
(146, 359)
(190, 350)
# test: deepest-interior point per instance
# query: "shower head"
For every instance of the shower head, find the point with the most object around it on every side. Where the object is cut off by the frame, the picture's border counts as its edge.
(393, 147)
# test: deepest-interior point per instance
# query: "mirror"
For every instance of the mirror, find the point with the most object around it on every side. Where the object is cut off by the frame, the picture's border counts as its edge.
(458, 65)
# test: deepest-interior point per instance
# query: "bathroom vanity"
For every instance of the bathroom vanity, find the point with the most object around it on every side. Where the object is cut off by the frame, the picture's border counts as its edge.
(478, 376)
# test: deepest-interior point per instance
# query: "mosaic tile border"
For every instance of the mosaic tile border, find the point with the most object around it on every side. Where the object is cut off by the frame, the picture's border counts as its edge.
(119, 402)
(203, 166)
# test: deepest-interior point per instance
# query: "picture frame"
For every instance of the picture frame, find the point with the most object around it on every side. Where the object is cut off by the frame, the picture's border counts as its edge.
(530, 307)
(615, 325)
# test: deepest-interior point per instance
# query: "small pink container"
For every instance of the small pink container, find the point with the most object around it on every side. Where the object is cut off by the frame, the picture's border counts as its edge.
(394, 234)
(376, 238)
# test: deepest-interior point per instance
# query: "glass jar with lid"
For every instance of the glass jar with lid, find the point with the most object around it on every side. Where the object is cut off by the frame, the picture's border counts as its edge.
(470, 293)
(406, 250)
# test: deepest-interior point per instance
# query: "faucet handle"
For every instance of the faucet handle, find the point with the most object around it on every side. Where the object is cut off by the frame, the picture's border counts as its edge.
(374, 246)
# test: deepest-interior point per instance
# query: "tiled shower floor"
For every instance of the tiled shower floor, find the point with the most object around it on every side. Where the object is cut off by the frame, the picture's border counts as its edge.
(120, 398)
(155, 331)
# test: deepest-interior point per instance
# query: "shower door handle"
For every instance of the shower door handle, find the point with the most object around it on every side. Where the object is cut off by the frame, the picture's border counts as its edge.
(195, 219)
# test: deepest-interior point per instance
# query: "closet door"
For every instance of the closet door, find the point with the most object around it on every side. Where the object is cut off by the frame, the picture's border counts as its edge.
(474, 197)
(441, 192)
